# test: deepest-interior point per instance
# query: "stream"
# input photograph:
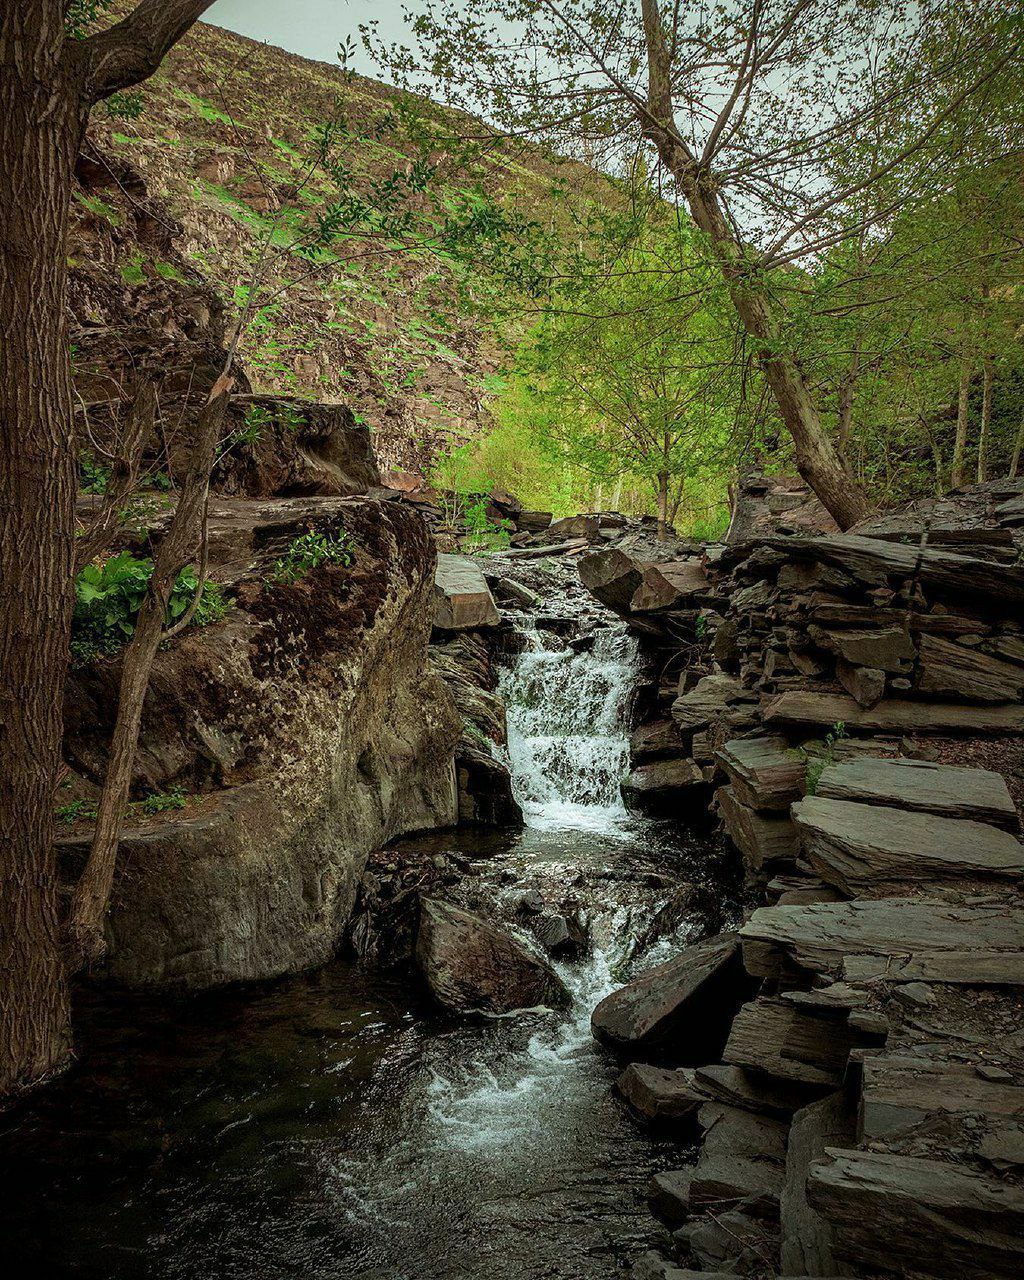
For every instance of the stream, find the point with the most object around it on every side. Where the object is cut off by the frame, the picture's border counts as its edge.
(334, 1124)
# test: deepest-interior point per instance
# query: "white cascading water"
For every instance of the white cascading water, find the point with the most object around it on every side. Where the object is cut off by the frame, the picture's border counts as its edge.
(567, 741)
(568, 749)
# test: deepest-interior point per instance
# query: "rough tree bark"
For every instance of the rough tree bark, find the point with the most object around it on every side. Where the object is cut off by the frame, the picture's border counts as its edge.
(817, 459)
(48, 84)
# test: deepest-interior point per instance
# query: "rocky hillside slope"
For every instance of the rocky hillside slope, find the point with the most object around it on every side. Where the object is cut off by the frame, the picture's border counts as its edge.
(221, 145)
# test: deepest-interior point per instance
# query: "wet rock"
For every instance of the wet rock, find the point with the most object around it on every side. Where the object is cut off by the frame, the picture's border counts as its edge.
(560, 936)
(755, 1092)
(462, 598)
(516, 593)
(472, 965)
(658, 740)
(669, 1196)
(660, 1094)
(687, 1003)
(611, 576)
(732, 1243)
(666, 788)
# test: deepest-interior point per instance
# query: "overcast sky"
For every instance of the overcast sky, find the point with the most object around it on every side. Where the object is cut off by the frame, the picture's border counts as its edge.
(313, 28)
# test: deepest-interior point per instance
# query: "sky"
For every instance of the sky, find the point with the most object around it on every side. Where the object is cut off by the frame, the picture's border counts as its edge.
(313, 28)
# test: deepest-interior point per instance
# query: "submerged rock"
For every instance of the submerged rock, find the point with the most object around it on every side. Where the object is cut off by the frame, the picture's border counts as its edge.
(474, 966)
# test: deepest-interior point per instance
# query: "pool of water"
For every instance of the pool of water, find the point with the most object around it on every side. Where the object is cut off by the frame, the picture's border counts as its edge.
(336, 1124)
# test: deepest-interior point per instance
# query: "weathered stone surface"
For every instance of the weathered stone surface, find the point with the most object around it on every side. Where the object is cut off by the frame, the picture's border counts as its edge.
(669, 1196)
(573, 527)
(732, 1242)
(807, 1245)
(301, 448)
(709, 699)
(952, 670)
(657, 740)
(611, 576)
(660, 1094)
(899, 1091)
(729, 1180)
(864, 848)
(942, 574)
(866, 685)
(942, 789)
(473, 966)
(533, 521)
(979, 942)
(765, 772)
(462, 598)
(669, 585)
(516, 592)
(775, 1037)
(763, 839)
(741, 1088)
(666, 788)
(311, 726)
(887, 649)
(905, 1214)
(740, 1131)
(687, 1002)
(822, 710)
(560, 935)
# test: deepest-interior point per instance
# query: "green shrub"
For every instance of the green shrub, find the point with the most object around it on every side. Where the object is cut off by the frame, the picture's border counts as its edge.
(819, 761)
(92, 477)
(310, 550)
(108, 597)
(161, 801)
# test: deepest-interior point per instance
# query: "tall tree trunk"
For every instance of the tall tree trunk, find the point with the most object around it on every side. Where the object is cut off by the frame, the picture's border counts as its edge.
(957, 470)
(40, 131)
(817, 459)
(1018, 449)
(986, 418)
(662, 505)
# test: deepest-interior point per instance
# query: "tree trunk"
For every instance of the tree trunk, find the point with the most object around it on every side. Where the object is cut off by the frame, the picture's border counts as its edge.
(662, 505)
(1018, 448)
(986, 418)
(957, 470)
(816, 457)
(92, 893)
(40, 131)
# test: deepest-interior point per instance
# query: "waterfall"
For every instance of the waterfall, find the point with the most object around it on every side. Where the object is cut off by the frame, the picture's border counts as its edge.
(567, 741)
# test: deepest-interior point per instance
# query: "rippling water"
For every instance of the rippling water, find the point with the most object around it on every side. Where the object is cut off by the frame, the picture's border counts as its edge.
(334, 1125)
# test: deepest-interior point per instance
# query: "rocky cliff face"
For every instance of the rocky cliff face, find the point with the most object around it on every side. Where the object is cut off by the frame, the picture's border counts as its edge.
(310, 730)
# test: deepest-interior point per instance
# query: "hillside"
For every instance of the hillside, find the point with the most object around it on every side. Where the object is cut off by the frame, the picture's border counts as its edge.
(223, 138)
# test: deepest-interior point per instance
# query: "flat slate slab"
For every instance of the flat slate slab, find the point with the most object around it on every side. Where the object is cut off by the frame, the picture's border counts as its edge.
(462, 598)
(978, 942)
(765, 773)
(775, 1038)
(867, 848)
(688, 1000)
(900, 1091)
(905, 1214)
(942, 789)
(764, 839)
(892, 715)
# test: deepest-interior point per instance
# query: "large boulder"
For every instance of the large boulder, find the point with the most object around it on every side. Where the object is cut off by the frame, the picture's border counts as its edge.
(611, 576)
(474, 966)
(462, 598)
(309, 730)
(686, 1004)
